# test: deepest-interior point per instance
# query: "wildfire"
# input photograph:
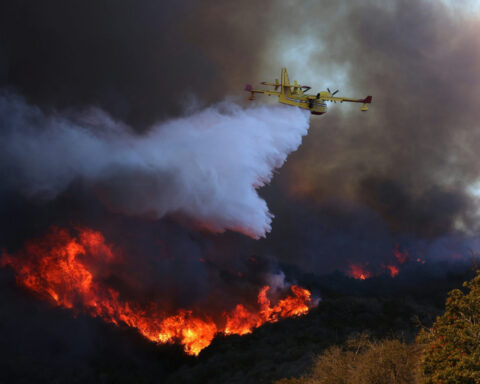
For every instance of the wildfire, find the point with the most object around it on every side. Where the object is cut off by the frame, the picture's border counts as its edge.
(241, 321)
(394, 270)
(361, 272)
(60, 268)
(358, 272)
(401, 257)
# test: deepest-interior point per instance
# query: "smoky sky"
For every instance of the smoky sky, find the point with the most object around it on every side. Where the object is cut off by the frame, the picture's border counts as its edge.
(414, 156)
(129, 58)
(360, 182)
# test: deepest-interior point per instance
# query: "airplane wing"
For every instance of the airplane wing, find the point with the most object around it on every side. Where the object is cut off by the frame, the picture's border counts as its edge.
(250, 89)
(276, 84)
(366, 100)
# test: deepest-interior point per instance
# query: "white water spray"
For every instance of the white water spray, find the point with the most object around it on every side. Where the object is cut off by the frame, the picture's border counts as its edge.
(206, 166)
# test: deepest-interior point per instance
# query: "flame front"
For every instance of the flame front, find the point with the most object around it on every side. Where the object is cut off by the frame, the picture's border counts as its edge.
(241, 321)
(59, 267)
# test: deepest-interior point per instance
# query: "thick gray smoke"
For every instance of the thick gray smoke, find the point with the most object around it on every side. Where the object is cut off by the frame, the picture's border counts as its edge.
(206, 166)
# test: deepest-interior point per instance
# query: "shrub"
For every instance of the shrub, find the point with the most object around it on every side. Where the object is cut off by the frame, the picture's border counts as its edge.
(361, 361)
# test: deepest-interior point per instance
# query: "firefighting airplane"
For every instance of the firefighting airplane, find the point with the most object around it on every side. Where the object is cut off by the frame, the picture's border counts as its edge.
(295, 94)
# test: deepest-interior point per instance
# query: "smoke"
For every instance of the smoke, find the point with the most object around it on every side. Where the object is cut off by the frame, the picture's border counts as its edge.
(206, 166)
(408, 159)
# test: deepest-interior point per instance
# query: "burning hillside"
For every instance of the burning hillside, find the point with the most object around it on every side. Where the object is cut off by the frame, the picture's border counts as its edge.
(72, 272)
(201, 171)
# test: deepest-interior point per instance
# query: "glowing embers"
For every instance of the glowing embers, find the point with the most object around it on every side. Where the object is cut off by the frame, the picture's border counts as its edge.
(72, 271)
(392, 269)
(401, 257)
(363, 271)
(359, 272)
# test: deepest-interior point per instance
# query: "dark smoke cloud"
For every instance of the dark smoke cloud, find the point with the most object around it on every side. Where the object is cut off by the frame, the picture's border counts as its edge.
(431, 214)
(131, 59)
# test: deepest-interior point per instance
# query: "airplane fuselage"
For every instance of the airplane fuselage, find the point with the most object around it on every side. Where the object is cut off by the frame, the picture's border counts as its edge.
(315, 106)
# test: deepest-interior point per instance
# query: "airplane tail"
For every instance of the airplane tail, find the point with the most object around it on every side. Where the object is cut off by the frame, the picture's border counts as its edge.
(367, 100)
(285, 82)
(250, 89)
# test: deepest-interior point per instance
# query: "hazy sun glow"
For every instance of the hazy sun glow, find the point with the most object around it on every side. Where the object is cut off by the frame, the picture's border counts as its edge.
(467, 7)
(300, 55)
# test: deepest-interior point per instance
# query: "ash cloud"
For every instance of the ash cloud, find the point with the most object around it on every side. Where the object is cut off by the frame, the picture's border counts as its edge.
(206, 166)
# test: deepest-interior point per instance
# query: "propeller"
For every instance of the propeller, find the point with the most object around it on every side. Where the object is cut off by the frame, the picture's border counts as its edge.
(332, 93)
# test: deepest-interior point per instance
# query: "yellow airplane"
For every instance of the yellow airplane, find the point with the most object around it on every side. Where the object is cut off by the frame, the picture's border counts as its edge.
(295, 94)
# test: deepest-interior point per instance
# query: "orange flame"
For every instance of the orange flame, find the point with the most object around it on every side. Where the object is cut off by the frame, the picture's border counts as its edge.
(241, 321)
(394, 270)
(401, 257)
(60, 268)
(358, 272)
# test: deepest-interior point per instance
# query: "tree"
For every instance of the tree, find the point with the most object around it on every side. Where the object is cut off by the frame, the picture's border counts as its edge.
(451, 347)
